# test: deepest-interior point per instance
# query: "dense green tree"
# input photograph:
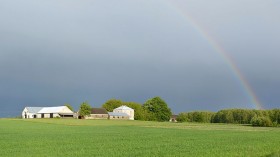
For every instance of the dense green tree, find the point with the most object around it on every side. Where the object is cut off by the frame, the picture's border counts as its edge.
(196, 116)
(111, 104)
(274, 115)
(85, 109)
(69, 106)
(223, 116)
(158, 109)
(201, 116)
(183, 117)
(237, 116)
(261, 121)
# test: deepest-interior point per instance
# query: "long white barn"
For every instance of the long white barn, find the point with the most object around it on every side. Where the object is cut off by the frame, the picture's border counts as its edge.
(46, 112)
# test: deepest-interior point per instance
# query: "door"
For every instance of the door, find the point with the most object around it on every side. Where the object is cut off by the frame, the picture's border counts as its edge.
(51, 115)
(42, 115)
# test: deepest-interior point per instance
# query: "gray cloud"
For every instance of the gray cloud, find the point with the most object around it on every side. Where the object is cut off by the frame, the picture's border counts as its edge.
(56, 52)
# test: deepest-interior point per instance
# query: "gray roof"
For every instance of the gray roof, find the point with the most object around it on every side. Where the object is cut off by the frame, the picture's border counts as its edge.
(34, 109)
(99, 111)
(118, 114)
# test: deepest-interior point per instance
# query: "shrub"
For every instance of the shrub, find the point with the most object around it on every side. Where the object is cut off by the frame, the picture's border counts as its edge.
(261, 121)
(182, 117)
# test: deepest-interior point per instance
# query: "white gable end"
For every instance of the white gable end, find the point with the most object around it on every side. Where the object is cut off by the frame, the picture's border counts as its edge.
(124, 109)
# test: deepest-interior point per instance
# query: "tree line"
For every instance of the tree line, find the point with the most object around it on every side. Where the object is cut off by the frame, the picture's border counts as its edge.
(156, 109)
(236, 116)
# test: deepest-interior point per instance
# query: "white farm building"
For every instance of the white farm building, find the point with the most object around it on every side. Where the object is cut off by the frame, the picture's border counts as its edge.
(47, 112)
(124, 109)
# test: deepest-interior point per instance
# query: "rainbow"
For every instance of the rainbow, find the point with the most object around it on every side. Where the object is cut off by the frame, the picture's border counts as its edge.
(222, 52)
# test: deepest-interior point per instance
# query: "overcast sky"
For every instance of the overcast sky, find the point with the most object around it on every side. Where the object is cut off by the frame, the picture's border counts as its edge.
(69, 51)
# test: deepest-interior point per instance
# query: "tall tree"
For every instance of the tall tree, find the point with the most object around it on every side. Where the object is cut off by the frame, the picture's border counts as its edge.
(111, 104)
(85, 109)
(158, 109)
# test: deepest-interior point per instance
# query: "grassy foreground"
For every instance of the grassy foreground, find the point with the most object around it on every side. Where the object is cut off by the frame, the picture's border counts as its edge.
(70, 137)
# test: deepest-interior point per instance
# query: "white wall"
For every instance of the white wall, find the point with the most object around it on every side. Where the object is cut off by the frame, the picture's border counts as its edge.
(129, 112)
(28, 115)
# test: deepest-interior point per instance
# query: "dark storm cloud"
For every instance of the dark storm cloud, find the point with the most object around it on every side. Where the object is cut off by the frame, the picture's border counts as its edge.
(56, 52)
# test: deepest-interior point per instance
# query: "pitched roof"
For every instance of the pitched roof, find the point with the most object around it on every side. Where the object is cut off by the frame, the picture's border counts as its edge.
(123, 107)
(56, 109)
(99, 111)
(118, 114)
(34, 109)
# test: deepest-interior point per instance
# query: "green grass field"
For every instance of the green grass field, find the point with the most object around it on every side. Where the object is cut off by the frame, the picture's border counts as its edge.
(70, 137)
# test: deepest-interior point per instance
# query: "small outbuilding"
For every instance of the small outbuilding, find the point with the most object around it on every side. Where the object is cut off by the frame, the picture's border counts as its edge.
(173, 118)
(98, 113)
(124, 109)
(116, 115)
